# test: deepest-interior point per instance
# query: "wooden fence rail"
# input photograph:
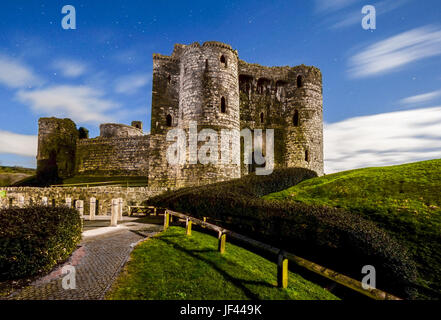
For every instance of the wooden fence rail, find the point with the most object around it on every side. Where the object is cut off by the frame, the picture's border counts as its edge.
(282, 258)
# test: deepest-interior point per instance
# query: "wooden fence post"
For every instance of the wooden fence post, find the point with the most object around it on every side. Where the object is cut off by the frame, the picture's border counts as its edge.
(189, 227)
(282, 271)
(222, 239)
(166, 220)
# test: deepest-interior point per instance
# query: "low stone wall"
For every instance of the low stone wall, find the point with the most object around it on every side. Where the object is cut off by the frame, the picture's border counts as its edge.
(23, 196)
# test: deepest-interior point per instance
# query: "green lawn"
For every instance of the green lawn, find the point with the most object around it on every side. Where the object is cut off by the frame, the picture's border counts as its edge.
(132, 181)
(11, 175)
(172, 266)
(404, 199)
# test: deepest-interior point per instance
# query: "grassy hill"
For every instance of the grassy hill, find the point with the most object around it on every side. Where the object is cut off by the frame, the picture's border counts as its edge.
(405, 200)
(12, 175)
(172, 266)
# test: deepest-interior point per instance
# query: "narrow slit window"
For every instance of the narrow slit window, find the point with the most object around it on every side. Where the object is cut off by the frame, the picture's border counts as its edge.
(306, 155)
(223, 61)
(299, 81)
(169, 120)
(262, 118)
(223, 105)
(295, 118)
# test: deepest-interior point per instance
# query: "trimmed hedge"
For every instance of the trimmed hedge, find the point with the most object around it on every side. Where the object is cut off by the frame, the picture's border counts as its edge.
(332, 237)
(34, 239)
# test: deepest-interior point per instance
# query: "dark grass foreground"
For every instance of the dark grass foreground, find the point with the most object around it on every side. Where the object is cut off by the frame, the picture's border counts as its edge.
(172, 266)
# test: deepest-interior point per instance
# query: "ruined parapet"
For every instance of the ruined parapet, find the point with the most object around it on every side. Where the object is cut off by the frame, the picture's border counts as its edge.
(288, 100)
(137, 124)
(116, 130)
(165, 92)
(57, 140)
(304, 118)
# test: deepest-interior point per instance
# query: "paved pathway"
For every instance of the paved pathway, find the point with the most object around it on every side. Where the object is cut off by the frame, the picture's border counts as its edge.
(97, 262)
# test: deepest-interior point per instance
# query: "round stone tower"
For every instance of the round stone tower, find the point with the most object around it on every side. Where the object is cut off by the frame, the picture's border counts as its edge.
(304, 119)
(209, 97)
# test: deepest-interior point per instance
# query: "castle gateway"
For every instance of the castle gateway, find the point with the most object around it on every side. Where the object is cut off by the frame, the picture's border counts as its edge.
(207, 84)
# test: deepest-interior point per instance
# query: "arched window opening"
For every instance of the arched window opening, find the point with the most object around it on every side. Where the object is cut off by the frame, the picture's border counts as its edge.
(299, 81)
(295, 118)
(223, 105)
(262, 118)
(245, 83)
(281, 90)
(206, 64)
(169, 120)
(223, 61)
(306, 155)
(263, 86)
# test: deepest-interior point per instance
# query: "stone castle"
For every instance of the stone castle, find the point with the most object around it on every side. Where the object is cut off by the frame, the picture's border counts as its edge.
(208, 84)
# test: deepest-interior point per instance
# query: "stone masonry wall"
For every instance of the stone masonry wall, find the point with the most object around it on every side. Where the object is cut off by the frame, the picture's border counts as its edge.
(288, 100)
(113, 156)
(58, 195)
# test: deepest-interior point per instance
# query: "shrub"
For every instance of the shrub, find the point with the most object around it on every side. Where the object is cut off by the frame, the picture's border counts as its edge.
(251, 185)
(34, 239)
(329, 236)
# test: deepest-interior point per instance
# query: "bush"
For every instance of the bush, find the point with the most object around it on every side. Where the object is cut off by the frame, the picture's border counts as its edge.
(332, 237)
(251, 185)
(34, 239)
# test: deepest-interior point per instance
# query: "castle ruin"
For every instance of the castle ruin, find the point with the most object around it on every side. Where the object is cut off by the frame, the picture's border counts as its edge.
(208, 84)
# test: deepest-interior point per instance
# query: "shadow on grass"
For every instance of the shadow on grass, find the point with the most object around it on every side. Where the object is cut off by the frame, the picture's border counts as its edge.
(237, 282)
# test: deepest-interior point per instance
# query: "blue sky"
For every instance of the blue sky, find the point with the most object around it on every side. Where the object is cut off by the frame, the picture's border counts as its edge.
(381, 88)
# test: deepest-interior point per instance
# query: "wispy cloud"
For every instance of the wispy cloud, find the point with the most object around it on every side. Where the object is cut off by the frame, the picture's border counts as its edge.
(70, 68)
(81, 103)
(132, 83)
(19, 144)
(332, 5)
(354, 17)
(421, 98)
(15, 74)
(383, 139)
(395, 52)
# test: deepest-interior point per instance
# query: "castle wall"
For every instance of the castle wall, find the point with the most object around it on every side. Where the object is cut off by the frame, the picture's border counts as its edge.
(161, 172)
(210, 97)
(209, 86)
(56, 148)
(272, 97)
(58, 195)
(113, 156)
(165, 93)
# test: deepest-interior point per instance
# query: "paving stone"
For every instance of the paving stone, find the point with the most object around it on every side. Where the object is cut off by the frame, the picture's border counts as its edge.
(97, 263)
